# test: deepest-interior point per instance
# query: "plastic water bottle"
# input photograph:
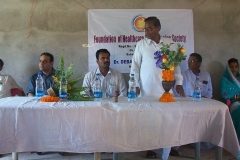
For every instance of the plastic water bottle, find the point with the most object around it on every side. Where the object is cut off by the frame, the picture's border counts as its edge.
(39, 86)
(97, 90)
(197, 95)
(132, 88)
(63, 88)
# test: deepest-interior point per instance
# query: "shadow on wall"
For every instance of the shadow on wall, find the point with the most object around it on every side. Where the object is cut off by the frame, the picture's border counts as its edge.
(216, 70)
(231, 13)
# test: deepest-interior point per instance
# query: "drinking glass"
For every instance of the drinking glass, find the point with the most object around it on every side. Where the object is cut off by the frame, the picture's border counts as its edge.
(111, 89)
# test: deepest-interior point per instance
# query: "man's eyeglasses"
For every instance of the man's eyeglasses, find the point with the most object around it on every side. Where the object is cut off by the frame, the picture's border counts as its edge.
(192, 61)
(149, 29)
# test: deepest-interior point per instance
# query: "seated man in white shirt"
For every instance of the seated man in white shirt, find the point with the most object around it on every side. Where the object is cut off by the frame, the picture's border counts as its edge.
(189, 76)
(111, 79)
(6, 83)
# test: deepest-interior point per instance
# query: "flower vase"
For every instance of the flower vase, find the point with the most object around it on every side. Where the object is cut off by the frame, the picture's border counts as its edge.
(167, 84)
(166, 96)
(167, 60)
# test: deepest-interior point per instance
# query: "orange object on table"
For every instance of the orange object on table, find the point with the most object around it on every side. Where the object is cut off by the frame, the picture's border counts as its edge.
(49, 99)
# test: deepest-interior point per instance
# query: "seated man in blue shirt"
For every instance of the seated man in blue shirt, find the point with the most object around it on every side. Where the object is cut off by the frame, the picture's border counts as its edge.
(189, 76)
(46, 68)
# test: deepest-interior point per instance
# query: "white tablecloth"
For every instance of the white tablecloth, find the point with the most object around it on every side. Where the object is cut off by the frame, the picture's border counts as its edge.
(76, 126)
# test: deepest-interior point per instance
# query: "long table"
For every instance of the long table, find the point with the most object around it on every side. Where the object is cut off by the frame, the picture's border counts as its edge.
(107, 126)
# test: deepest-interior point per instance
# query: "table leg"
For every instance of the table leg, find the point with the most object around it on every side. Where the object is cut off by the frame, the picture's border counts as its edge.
(14, 156)
(97, 155)
(218, 153)
(118, 156)
(197, 151)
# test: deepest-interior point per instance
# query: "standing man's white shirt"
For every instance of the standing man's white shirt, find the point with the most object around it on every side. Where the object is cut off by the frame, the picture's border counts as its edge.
(145, 70)
(6, 84)
(108, 82)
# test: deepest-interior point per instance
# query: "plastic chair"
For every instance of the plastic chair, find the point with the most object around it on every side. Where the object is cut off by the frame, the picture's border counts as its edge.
(17, 92)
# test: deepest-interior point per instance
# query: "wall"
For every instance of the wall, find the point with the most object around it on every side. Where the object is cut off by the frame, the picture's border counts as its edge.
(30, 27)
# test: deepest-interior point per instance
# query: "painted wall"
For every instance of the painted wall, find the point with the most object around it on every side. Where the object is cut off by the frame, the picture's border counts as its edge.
(30, 27)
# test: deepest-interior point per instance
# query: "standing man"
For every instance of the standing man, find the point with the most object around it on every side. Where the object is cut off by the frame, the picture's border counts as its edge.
(46, 68)
(111, 79)
(148, 76)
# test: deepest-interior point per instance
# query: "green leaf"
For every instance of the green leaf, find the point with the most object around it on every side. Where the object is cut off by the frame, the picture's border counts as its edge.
(174, 56)
(68, 74)
(78, 97)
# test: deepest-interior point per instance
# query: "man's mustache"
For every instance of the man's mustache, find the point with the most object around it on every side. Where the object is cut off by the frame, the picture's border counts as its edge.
(106, 62)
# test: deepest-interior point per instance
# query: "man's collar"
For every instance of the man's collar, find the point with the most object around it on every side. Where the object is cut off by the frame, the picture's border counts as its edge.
(196, 73)
(52, 72)
(151, 41)
(148, 41)
(109, 71)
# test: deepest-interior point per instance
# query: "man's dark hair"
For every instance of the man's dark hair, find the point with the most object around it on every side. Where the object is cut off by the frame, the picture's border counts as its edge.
(1, 63)
(232, 60)
(49, 55)
(198, 56)
(155, 20)
(101, 50)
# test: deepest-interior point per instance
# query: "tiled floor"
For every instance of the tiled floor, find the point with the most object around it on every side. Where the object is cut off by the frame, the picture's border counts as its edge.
(186, 153)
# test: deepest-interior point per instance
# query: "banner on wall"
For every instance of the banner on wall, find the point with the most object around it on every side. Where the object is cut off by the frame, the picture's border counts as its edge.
(119, 30)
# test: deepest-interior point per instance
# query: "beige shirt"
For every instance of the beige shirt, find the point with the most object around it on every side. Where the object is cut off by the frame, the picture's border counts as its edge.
(6, 84)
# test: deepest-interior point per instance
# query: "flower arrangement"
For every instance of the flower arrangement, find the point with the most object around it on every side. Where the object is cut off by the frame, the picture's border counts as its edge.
(166, 97)
(73, 91)
(49, 99)
(167, 60)
(167, 75)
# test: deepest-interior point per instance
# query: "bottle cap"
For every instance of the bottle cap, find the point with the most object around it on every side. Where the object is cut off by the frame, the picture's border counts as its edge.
(39, 73)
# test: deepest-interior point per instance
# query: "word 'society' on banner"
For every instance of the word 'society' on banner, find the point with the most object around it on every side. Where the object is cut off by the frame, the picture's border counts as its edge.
(119, 30)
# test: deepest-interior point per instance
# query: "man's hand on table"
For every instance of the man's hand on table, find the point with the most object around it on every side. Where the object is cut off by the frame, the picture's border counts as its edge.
(180, 90)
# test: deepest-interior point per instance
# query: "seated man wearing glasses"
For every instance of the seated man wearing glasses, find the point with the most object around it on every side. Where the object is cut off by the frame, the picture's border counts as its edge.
(189, 76)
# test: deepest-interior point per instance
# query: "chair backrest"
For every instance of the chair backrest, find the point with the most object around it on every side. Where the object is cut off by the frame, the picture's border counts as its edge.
(16, 92)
